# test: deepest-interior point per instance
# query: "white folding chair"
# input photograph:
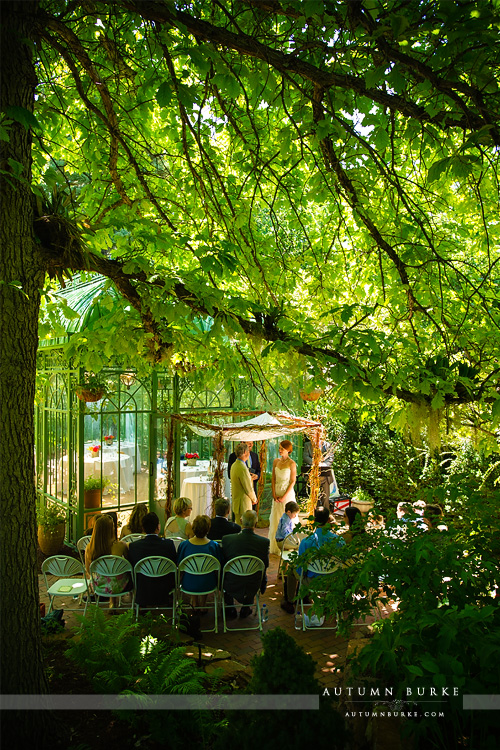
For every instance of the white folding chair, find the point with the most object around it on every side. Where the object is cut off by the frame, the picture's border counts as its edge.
(197, 565)
(156, 566)
(176, 540)
(132, 538)
(245, 565)
(285, 553)
(81, 545)
(110, 566)
(322, 567)
(64, 568)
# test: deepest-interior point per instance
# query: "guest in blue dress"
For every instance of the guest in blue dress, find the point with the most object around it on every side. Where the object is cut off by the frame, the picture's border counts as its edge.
(199, 544)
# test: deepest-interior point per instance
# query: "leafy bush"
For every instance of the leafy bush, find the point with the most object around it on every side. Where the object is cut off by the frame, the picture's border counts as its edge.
(118, 659)
(283, 668)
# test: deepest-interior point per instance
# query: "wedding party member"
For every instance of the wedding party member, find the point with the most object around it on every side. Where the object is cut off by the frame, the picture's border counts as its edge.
(178, 524)
(242, 491)
(253, 464)
(325, 469)
(221, 525)
(283, 480)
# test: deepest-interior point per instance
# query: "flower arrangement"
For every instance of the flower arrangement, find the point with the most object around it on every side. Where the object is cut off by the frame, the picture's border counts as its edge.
(94, 450)
(109, 439)
(191, 458)
(192, 455)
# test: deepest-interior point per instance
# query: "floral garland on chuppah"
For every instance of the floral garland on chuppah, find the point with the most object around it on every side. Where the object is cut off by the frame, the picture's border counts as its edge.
(261, 426)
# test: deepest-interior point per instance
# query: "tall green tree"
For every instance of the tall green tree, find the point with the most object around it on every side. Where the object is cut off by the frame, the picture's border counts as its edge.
(320, 178)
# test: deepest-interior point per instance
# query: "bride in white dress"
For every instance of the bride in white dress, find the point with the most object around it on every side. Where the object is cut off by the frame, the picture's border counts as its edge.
(283, 481)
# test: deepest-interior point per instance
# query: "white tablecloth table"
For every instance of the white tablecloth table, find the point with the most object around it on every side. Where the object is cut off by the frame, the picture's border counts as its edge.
(189, 472)
(199, 491)
(108, 462)
(128, 447)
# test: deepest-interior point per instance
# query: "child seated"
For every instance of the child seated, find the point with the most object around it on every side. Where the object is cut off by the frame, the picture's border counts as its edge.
(286, 525)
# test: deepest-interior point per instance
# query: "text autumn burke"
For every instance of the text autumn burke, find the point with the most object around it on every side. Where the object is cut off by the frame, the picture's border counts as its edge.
(388, 692)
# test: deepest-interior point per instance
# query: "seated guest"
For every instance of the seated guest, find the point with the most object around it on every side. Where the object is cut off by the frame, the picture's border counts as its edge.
(408, 515)
(321, 536)
(354, 520)
(247, 542)
(375, 520)
(199, 544)
(221, 525)
(178, 524)
(134, 524)
(433, 516)
(104, 542)
(152, 592)
(286, 525)
(90, 520)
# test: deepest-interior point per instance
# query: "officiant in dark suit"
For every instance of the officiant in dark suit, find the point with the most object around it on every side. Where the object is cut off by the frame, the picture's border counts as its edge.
(253, 464)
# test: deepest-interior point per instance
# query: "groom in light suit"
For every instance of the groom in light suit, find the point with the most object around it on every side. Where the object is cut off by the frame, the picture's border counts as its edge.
(242, 491)
(253, 464)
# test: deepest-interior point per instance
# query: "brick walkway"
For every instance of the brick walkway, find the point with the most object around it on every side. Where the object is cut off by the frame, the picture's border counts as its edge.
(326, 648)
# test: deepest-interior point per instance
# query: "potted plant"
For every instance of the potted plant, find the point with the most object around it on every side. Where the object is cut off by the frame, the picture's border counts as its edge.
(108, 439)
(191, 458)
(362, 500)
(51, 528)
(92, 389)
(92, 490)
(94, 450)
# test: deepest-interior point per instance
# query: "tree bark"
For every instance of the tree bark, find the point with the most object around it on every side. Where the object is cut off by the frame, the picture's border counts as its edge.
(22, 279)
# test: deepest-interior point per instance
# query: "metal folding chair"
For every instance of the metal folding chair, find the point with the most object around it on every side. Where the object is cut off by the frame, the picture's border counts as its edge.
(156, 567)
(245, 565)
(81, 546)
(197, 565)
(324, 567)
(64, 568)
(132, 538)
(111, 566)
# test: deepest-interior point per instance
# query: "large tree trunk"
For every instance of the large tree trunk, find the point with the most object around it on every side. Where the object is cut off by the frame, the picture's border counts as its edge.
(22, 279)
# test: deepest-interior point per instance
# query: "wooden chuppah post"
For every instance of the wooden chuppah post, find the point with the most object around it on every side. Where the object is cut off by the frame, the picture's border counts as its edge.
(218, 473)
(263, 466)
(170, 479)
(314, 472)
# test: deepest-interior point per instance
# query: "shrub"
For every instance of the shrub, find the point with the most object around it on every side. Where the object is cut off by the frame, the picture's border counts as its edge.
(283, 668)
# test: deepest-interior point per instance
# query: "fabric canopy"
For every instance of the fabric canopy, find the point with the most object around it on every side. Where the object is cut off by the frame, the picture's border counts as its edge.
(263, 426)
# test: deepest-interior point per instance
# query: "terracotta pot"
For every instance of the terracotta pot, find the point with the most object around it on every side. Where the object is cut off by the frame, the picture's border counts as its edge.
(89, 396)
(92, 498)
(51, 540)
(312, 395)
